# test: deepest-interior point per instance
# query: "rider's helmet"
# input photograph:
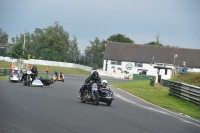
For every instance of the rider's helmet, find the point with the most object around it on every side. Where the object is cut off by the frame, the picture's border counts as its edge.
(95, 75)
(16, 69)
(104, 83)
(34, 68)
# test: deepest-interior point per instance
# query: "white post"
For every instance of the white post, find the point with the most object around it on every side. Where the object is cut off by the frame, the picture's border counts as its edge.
(175, 56)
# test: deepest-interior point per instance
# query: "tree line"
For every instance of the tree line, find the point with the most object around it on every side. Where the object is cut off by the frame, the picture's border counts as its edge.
(53, 43)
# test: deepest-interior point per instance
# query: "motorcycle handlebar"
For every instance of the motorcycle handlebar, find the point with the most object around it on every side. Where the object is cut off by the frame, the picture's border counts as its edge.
(89, 84)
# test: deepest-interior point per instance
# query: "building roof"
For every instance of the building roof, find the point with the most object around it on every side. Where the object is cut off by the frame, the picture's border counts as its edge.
(151, 54)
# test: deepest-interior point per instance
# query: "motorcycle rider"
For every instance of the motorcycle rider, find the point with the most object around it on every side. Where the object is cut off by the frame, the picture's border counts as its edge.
(15, 71)
(56, 73)
(104, 84)
(61, 75)
(34, 73)
(93, 77)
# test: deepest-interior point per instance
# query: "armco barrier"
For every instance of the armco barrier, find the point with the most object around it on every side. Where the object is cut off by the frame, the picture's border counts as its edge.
(2, 73)
(49, 63)
(185, 91)
(166, 82)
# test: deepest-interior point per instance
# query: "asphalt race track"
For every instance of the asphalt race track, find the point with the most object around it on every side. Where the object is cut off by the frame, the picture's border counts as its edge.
(55, 109)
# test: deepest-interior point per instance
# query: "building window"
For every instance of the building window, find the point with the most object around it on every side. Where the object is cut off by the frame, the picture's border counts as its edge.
(115, 62)
(138, 64)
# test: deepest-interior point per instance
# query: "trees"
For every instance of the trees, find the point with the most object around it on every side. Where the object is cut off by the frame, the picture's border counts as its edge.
(3, 42)
(18, 52)
(154, 43)
(120, 38)
(51, 43)
(74, 52)
(157, 43)
(94, 53)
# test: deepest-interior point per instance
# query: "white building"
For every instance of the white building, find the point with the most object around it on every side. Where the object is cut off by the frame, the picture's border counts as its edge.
(158, 61)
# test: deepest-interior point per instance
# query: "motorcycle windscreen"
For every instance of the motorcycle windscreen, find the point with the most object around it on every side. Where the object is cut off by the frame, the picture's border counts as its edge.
(37, 82)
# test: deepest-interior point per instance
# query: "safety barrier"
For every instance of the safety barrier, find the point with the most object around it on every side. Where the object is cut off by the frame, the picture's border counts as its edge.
(49, 63)
(166, 82)
(4, 71)
(185, 91)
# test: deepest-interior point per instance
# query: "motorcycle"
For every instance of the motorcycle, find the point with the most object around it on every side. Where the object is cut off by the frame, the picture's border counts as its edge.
(60, 77)
(90, 94)
(27, 79)
(106, 96)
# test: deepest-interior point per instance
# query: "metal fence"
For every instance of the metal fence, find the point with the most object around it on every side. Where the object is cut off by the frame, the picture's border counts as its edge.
(185, 91)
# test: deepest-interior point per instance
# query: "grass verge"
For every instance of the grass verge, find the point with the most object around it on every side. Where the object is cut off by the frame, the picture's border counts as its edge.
(159, 96)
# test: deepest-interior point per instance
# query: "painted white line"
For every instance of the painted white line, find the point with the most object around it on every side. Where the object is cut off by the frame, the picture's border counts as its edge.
(179, 114)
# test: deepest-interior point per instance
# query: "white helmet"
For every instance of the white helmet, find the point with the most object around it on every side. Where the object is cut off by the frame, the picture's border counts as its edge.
(104, 81)
(16, 69)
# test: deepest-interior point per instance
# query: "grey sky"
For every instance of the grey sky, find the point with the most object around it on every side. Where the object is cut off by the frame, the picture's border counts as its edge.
(177, 21)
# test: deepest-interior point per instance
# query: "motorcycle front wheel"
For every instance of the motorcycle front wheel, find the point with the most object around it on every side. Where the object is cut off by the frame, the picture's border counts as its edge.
(96, 98)
(109, 102)
(29, 80)
(82, 98)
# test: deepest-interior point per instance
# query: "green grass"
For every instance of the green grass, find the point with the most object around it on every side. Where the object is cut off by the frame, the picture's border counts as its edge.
(6, 77)
(159, 95)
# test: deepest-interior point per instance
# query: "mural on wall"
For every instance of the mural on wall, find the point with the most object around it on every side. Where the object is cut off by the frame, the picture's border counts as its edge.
(114, 71)
(129, 66)
(120, 69)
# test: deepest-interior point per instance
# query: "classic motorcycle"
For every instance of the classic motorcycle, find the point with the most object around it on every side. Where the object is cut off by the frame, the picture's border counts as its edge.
(28, 79)
(106, 96)
(60, 77)
(90, 94)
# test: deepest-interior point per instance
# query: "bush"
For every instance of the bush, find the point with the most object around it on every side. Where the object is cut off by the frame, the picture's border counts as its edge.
(188, 78)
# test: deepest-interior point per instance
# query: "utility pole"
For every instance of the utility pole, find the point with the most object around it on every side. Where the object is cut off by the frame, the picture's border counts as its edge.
(22, 65)
(24, 39)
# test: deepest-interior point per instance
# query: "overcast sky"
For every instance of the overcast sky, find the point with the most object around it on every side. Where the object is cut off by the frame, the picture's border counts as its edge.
(177, 21)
